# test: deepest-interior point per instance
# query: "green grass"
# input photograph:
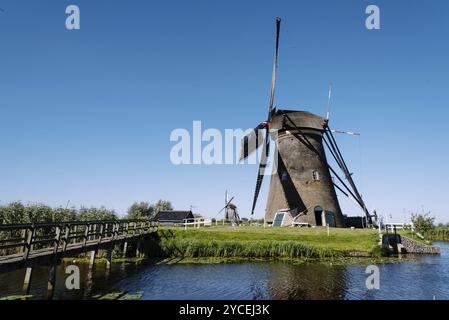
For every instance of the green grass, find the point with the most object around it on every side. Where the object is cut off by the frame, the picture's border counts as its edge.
(269, 243)
(412, 235)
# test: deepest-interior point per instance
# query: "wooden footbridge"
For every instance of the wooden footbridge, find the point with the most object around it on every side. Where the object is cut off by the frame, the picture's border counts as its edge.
(29, 245)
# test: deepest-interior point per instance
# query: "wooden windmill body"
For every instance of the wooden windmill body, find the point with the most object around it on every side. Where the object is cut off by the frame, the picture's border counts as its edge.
(300, 181)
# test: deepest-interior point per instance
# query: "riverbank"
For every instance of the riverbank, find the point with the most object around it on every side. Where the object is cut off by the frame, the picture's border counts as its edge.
(225, 244)
(269, 243)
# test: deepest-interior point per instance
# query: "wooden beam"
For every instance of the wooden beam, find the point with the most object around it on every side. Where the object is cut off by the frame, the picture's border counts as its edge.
(27, 281)
(51, 284)
(93, 253)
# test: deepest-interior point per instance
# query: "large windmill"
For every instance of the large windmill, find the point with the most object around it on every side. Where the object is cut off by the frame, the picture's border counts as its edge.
(302, 181)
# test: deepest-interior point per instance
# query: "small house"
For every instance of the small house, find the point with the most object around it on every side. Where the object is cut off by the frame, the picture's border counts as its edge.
(173, 217)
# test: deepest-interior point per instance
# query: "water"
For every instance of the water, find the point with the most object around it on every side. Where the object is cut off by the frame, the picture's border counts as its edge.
(427, 278)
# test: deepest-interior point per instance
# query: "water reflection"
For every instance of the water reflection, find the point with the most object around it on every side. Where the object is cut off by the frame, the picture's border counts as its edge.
(305, 282)
(424, 279)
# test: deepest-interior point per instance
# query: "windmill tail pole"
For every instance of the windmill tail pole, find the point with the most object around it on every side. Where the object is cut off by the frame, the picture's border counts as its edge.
(341, 162)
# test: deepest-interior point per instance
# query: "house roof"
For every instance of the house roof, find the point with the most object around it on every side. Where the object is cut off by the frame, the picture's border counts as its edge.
(173, 215)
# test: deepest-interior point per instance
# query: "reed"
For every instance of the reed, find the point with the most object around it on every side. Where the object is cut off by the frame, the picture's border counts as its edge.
(263, 243)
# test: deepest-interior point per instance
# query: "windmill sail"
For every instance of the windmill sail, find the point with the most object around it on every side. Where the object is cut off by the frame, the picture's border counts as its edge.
(252, 141)
(266, 145)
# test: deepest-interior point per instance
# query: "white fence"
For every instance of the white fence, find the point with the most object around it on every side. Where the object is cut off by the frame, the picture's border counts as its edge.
(398, 225)
(197, 222)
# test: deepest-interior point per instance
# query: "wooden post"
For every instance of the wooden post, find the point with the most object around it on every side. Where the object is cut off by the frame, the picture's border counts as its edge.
(138, 249)
(86, 234)
(125, 248)
(109, 259)
(24, 239)
(125, 245)
(51, 284)
(29, 243)
(66, 238)
(27, 281)
(75, 230)
(95, 231)
(57, 239)
(102, 229)
(117, 229)
(92, 259)
(27, 249)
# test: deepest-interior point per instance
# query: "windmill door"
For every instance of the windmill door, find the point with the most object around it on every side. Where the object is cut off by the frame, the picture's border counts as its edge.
(278, 219)
(330, 219)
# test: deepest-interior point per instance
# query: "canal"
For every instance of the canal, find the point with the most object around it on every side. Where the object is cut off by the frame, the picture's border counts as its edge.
(425, 278)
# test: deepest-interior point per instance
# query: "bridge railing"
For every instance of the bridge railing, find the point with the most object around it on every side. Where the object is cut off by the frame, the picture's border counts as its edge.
(23, 239)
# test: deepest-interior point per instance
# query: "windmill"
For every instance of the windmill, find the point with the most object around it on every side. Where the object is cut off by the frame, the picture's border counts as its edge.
(302, 179)
(230, 210)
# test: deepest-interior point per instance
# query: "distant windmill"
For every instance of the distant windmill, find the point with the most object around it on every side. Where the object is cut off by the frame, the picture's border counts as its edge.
(302, 177)
(230, 210)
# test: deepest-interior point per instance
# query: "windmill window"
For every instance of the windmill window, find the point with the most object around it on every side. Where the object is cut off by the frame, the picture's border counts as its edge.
(315, 176)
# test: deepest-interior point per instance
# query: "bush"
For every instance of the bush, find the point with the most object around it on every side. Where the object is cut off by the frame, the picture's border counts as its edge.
(17, 213)
(380, 251)
(423, 223)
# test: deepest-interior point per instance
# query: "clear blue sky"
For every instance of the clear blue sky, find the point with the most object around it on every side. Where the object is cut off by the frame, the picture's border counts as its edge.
(86, 115)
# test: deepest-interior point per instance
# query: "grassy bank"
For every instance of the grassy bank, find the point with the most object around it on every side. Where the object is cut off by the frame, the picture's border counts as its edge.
(103, 260)
(412, 235)
(259, 243)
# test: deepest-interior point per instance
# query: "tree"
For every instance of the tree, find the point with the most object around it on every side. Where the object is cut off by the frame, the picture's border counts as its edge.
(140, 210)
(89, 214)
(13, 213)
(161, 205)
(423, 223)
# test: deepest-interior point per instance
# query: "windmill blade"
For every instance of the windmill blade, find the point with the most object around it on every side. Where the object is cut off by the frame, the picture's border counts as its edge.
(227, 204)
(252, 141)
(329, 101)
(262, 167)
(273, 78)
(266, 145)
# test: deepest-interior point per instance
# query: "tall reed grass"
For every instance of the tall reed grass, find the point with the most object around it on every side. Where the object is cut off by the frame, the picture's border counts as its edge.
(198, 244)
